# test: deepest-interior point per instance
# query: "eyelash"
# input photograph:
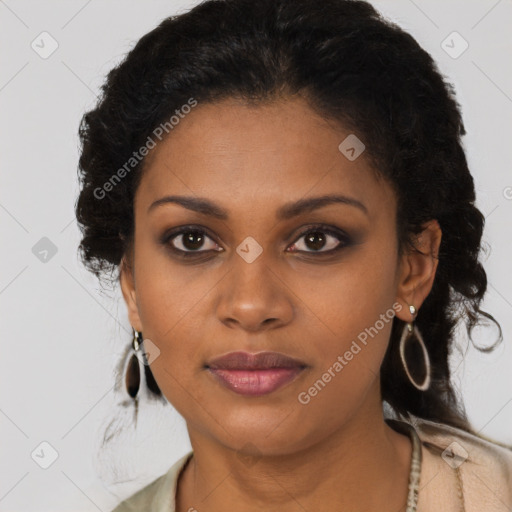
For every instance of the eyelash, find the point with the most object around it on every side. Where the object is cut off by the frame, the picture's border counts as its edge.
(322, 228)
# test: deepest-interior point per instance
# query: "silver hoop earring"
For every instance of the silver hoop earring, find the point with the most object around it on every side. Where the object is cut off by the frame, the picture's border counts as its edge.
(407, 334)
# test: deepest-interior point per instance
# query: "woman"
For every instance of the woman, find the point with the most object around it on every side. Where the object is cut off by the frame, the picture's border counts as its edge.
(282, 188)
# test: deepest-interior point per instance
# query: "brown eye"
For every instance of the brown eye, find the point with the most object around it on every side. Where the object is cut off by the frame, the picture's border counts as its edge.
(320, 240)
(315, 240)
(192, 241)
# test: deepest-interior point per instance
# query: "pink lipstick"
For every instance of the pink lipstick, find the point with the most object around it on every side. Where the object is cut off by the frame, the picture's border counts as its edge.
(255, 374)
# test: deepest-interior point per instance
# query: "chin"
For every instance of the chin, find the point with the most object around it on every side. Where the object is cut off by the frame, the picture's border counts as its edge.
(258, 434)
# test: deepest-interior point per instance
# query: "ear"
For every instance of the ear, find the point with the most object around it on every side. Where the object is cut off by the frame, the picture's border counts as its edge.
(127, 282)
(418, 270)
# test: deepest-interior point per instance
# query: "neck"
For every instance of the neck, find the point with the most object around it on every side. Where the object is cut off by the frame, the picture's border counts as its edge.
(337, 472)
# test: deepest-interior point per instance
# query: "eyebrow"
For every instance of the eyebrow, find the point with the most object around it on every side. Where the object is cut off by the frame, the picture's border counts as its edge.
(287, 211)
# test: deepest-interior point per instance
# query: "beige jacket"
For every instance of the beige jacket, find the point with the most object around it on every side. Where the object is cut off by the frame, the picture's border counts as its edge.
(456, 468)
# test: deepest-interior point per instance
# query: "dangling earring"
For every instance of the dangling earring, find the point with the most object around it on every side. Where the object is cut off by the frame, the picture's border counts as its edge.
(132, 377)
(407, 332)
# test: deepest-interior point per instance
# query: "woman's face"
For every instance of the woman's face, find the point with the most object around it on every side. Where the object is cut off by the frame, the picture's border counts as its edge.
(318, 284)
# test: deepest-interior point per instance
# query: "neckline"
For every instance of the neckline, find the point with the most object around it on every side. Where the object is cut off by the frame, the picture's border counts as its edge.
(416, 460)
(397, 425)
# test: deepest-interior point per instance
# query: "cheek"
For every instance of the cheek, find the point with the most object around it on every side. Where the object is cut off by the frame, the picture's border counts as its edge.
(350, 351)
(169, 309)
(172, 301)
(169, 315)
(353, 311)
(167, 292)
(351, 296)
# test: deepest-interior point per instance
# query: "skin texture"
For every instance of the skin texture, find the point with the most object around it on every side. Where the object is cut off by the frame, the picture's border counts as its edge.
(272, 451)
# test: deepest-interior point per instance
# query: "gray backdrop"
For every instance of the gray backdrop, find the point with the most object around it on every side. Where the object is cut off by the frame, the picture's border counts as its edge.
(62, 337)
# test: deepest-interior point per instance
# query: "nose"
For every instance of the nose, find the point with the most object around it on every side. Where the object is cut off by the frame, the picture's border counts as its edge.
(254, 297)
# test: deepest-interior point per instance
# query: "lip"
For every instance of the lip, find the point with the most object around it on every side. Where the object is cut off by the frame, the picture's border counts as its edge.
(255, 374)
(260, 361)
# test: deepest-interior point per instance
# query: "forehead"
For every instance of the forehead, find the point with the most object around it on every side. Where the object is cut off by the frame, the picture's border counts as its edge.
(257, 157)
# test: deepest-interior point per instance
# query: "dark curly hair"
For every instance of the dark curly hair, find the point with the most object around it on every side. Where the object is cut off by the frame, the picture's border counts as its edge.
(353, 67)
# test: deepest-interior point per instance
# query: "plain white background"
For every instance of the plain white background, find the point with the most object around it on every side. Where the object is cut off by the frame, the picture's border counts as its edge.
(62, 336)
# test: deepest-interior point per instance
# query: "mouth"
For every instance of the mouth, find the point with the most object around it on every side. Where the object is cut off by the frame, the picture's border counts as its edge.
(255, 374)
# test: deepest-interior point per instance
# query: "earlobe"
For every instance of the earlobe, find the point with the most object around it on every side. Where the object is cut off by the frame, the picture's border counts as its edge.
(418, 269)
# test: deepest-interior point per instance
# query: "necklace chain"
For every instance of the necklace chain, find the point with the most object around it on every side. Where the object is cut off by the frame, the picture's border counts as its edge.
(416, 462)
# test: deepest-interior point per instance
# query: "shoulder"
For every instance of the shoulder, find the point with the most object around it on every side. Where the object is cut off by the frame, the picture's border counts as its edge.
(159, 495)
(482, 468)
